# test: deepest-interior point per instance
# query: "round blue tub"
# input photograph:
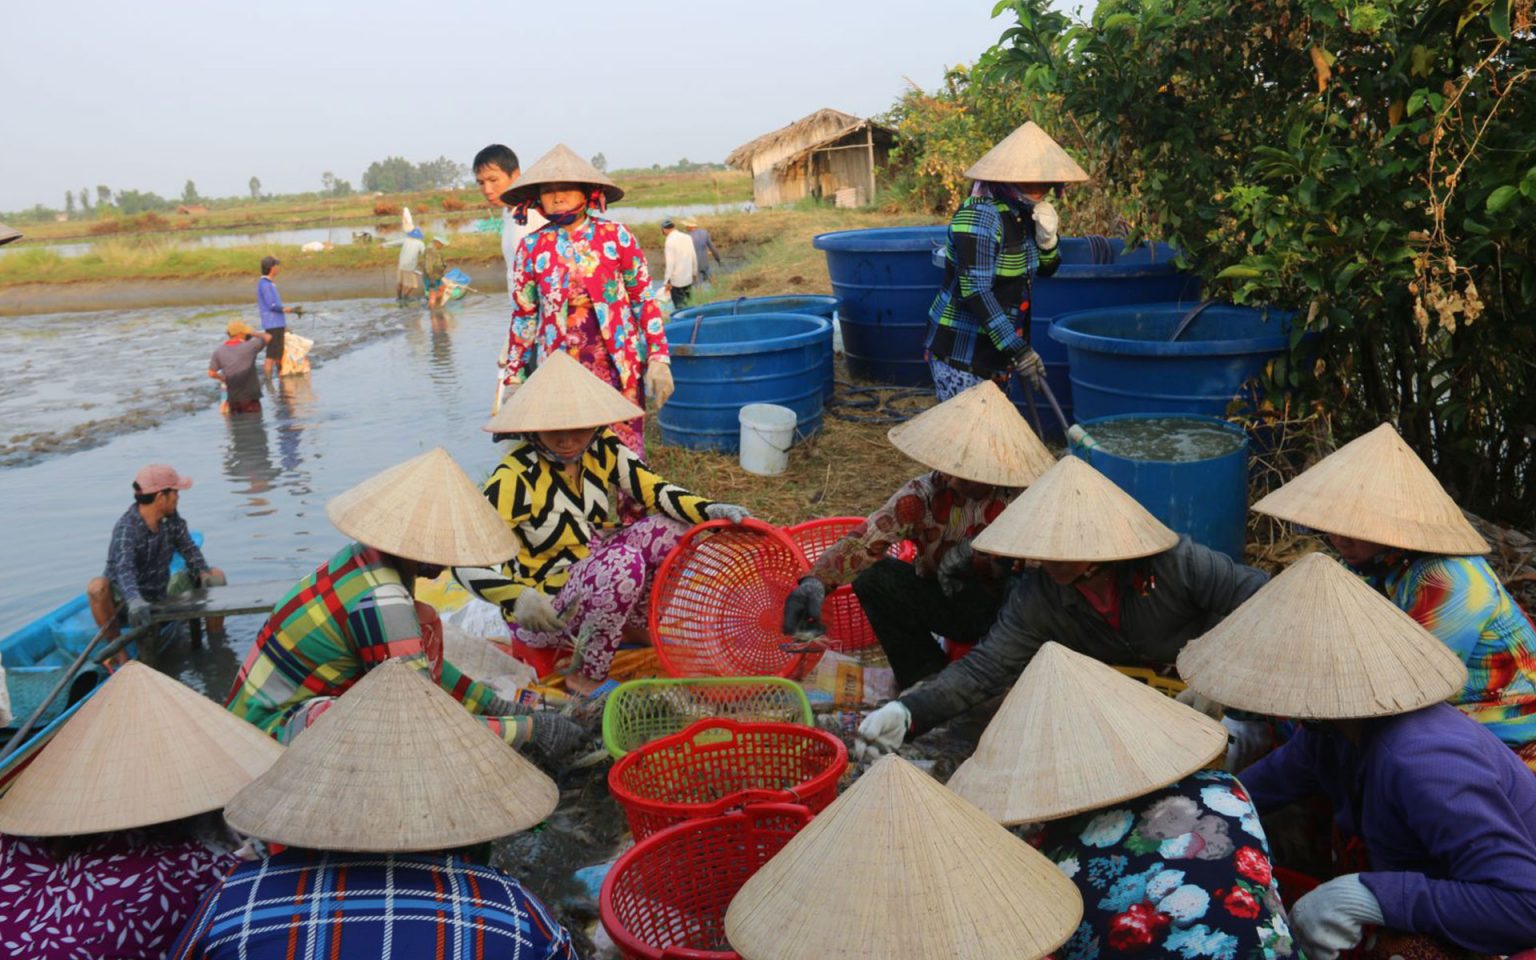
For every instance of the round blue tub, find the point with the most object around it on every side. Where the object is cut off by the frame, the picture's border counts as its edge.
(1207, 499)
(885, 280)
(812, 306)
(1121, 360)
(761, 358)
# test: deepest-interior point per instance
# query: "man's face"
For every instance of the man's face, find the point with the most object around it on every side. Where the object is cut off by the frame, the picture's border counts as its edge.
(1066, 572)
(169, 500)
(276, 268)
(494, 181)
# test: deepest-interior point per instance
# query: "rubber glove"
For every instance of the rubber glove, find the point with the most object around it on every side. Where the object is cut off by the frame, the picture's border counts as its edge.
(555, 736)
(1047, 220)
(1204, 704)
(955, 568)
(138, 613)
(658, 381)
(534, 611)
(1030, 366)
(727, 511)
(802, 608)
(1330, 918)
(882, 731)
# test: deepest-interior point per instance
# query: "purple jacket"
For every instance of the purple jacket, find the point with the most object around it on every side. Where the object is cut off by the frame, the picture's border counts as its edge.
(1447, 813)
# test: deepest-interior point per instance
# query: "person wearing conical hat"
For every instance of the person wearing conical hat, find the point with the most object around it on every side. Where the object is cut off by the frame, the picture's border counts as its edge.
(385, 810)
(579, 573)
(1112, 583)
(580, 284)
(1001, 237)
(1169, 857)
(1446, 812)
(111, 835)
(1391, 522)
(357, 610)
(980, 453)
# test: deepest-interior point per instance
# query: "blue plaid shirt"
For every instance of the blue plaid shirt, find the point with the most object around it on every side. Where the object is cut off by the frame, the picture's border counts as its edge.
(139, 562)
(318, 905)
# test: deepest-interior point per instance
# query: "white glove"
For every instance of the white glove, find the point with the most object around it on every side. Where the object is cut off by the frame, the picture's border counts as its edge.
(658, 381)
(1046, 221)
(1204, 704)
(534, 611)
(727, 511)
(882, 731)
(1330, 918)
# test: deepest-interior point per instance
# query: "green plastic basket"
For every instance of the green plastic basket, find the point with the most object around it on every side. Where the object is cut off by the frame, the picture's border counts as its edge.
(639, 711)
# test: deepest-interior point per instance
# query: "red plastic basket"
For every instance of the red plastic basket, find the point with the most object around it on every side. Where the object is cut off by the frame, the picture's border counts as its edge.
(847, 627)
(717, 765)
(665, 899)
(717, 603)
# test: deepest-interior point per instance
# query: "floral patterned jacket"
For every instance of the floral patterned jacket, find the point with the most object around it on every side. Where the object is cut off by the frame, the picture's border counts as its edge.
(600, 262)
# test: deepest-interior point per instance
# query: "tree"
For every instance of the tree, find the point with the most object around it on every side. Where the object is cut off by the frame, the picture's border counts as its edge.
(601, 163)
(189, 194)
(255, 188)
(390, 175)
(440, 173)
(85, 200)
(69, 203)
(132, 202)
(103, 197)
(332, 187)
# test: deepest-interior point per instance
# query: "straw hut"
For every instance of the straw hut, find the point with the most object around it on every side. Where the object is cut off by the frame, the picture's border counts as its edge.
(829, 154)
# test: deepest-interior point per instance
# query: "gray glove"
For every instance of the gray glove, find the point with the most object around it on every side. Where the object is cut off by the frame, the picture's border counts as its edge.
(535, 611)
(955, 568)
(1030, 366)
(1331, 917)
(138, 613)
(802, 608)
(556, 736)
(727, 511)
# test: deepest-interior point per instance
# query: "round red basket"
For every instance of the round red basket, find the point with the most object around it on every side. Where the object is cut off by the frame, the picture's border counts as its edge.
(718, 765)
(717, 603)
(847, 627)
(666, 897)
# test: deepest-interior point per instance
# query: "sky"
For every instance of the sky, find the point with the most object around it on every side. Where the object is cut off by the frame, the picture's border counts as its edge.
(148, 95)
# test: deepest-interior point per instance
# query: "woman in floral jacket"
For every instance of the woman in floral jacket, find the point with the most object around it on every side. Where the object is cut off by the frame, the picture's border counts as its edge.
(580, 284)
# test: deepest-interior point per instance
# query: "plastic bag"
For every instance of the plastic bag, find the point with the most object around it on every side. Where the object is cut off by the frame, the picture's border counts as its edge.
(295, 354)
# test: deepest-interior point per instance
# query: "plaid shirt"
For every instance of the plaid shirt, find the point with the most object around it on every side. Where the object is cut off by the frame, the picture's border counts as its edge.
(990, 257)
(316, 905)
(139, 561)
(1461, 601)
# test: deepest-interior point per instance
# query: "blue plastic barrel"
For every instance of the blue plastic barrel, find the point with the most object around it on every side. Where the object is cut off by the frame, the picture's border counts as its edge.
(1122, 361)
(733, 361)
(1206, 499)
(812, 306)
(885, 281)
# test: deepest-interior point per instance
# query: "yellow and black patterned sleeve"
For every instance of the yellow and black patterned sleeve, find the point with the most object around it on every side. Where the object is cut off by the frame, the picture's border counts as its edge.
(646, 486)
(511, 494)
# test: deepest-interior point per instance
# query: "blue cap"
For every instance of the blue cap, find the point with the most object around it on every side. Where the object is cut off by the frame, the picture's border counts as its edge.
(666, 223)
(415, 233)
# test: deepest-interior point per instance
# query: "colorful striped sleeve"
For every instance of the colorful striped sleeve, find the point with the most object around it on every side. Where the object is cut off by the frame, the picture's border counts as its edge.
(975, 238)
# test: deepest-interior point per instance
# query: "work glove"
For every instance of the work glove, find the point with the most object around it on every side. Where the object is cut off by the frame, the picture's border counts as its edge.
(727, 511)
(1331, 917)
(658, 382)
(535, 611)
(882, 731)
(1047, 220)
(138, 613)
(1030, 366)
(556, 736)
(802, 608)
(1199, 702)
(955, 568)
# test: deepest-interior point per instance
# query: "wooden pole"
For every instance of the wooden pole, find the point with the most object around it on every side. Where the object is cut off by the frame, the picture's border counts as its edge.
(869, 132)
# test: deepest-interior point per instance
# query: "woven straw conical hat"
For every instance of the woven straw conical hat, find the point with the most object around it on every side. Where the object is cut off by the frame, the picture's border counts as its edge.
(561, 395)
(1075, 735)
(425, 509)
(395, 765)
(899, 866)
(1075, 513)
(145, 749)
(560, 165)
(7, 234)
(1376, 488)
(976, 435)
(1317, 643)
(1027, 155)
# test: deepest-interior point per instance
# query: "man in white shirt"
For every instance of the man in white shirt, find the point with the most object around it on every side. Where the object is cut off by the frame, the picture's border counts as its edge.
(682, 263)
(407, 274)
(496, 169)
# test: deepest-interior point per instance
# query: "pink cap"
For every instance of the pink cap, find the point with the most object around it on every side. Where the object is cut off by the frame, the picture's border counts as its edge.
(159, 476)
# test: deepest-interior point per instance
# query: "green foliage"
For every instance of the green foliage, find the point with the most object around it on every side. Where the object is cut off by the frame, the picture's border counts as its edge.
(189, 194)
(399, 175)
(133, 202)
(332, 186)
(1370, 163)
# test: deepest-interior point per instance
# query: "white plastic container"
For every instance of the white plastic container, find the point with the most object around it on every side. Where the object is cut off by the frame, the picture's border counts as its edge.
(767, 433)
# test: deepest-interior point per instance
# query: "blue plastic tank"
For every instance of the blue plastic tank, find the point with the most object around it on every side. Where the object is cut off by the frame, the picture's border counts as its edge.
(885, 280)
(1205, 497)
(733, 361)
(1121, 359)
(813, 306)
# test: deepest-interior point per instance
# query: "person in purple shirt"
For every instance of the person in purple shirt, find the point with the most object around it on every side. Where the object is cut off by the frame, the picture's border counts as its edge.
(273, 314)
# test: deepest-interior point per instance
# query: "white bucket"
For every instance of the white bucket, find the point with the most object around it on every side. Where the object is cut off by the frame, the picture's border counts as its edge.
(767, 433)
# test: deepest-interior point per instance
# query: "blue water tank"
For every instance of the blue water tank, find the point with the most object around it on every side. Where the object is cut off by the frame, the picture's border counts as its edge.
(885, 280)
(721, 364)
(814, 306)
(1206, 499)
(1122, 361)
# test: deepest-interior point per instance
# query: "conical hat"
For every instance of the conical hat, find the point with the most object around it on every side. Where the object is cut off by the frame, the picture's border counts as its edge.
(145, 749)
(1376, 488)
(1074, 735)
(395, 765)
(560, 165)
(1318, 643)
(561, 395)
(1075, 513)
(977, 435)
(899, 866)
(425, 509)
(7, 234)
(1027, 155)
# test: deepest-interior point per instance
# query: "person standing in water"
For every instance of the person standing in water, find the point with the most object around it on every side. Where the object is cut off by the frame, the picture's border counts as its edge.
(274, 320)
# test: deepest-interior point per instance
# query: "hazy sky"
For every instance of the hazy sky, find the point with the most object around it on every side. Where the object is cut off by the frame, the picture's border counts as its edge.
(147, 95)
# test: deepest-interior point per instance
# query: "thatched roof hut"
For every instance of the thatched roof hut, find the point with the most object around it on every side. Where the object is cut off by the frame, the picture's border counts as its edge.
(826, 154)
